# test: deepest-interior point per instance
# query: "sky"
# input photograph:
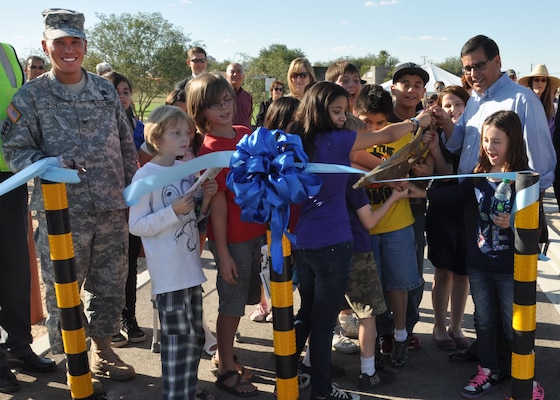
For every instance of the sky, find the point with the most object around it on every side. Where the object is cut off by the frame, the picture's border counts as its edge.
(327, 30)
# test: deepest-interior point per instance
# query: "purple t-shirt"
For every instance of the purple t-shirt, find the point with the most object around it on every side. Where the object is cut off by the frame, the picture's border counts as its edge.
(324, 218)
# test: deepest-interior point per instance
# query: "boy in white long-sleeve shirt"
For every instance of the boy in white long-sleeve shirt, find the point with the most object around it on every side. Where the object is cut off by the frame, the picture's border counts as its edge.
(167, 223)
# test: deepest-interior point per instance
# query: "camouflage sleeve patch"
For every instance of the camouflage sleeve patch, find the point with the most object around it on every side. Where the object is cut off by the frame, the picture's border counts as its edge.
(5, 127)
(13, 114)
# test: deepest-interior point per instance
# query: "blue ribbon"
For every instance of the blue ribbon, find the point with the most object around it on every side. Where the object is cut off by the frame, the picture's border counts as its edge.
(498, 175)
(148, 184)
(267, 173)
(47, 168)
(525, 197)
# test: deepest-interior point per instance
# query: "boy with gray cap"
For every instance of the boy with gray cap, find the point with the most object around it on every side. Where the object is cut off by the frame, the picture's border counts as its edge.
(77, 115)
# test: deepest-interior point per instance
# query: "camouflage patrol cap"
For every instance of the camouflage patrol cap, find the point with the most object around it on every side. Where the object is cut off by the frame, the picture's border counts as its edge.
(60, 23)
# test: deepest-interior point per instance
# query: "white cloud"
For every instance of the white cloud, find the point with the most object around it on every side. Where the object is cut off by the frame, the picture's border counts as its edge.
(425, 38)
(230, 41)
(344, 22)
(343, 48)
(381, 3)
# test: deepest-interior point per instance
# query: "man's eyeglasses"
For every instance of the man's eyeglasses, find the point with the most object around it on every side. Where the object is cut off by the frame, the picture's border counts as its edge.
(278, 89)
(301, 75)
(543, 80)
(219, 106)
(37, 67)
(479, 66)
(198, 60)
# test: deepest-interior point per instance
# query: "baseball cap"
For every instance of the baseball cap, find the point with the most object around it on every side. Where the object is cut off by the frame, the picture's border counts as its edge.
(410, 68)
(510, 72)
(102, 68)
(58, 23)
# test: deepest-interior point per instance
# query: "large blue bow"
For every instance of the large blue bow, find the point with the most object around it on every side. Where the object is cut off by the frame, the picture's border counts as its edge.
(266, 175)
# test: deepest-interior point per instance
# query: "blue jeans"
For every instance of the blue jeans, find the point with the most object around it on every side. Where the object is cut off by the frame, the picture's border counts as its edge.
(395, 255)
(415, 295)
(323, 278)
(492, 293)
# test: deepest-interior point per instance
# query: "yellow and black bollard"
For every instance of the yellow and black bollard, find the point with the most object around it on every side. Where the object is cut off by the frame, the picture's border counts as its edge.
(283, 323)
(526, 230)
(67, 291)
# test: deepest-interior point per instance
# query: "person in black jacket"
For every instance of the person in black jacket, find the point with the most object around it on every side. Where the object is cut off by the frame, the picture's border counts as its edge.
(276, 91)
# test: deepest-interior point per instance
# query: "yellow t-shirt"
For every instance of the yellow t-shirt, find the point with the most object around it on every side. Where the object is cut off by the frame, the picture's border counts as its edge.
(399, 215)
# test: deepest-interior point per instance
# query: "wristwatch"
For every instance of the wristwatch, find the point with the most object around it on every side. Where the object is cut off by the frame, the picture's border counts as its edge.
(416, 124)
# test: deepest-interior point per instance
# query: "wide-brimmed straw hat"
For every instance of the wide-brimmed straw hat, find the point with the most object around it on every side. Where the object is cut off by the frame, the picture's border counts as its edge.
(540, 70)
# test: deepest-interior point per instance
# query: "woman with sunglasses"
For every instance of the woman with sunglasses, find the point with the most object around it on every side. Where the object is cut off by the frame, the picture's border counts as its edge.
(276, 91)
(300, 76)
(544, 86)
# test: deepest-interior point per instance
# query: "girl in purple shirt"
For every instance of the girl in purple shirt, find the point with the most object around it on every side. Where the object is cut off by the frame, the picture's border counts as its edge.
(324, 236)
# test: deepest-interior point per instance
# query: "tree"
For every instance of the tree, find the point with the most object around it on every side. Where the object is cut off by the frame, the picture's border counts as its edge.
(272, 62)
(145, 47)
(383, 59)
(453, 65)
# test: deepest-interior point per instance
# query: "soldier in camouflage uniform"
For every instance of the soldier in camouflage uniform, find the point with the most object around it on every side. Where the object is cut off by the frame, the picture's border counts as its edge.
(78, 116)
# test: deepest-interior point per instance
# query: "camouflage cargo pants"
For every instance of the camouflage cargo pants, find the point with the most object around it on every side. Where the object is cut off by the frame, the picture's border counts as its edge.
(100, 242)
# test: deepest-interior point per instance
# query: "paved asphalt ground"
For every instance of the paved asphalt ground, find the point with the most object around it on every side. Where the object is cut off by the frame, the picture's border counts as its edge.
(427, 375)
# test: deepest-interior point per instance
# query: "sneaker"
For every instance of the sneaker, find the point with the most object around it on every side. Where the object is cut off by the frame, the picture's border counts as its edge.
(336, 371)
(259, 314)
(381, 377)
(399, 353)
(349, 325)
(8, 381)
(118, 340)
(269, 317)
(303, 380)
(337, 393)
(481, 383)
(386, 345)
(133, 332)
(343, 344)
(414, 342)
(538, 391)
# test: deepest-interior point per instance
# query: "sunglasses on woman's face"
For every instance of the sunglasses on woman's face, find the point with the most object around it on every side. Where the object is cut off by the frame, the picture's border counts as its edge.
(278, 89)
(301, 75)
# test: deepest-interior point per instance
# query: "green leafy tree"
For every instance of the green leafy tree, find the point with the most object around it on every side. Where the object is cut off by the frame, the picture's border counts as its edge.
(452, 64)
(272, 62)
(145, 47)
(382, 59)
